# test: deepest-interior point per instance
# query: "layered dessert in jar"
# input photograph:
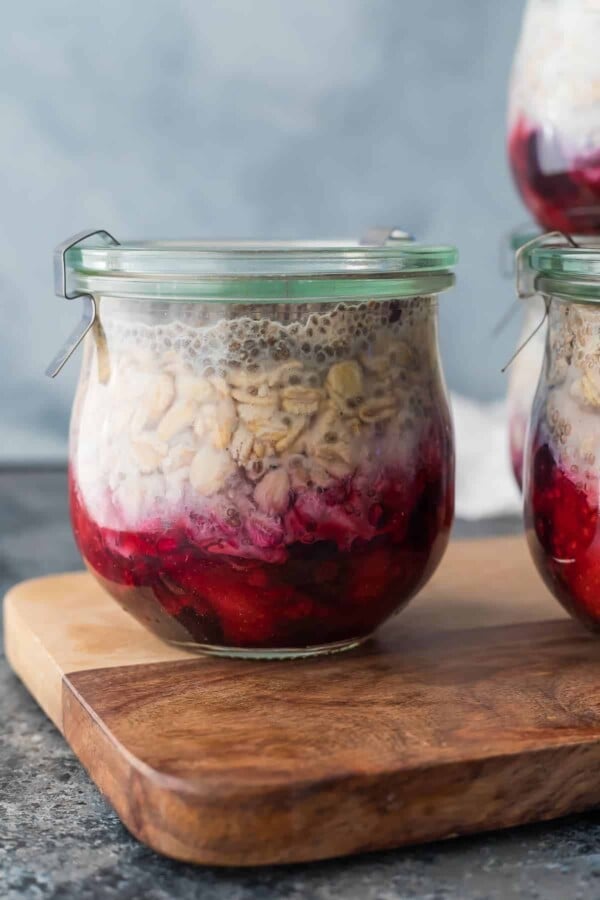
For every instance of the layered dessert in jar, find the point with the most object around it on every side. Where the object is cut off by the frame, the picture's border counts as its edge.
(554, 114)
(261, 457)
(563, 460)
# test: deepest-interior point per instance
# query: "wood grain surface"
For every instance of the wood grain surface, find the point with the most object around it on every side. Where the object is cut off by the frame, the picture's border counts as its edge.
(67, 623)
(477, 708)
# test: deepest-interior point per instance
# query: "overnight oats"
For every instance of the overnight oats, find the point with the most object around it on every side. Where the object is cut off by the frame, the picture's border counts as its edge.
(261, 453)
(563, 454)
(554, 114)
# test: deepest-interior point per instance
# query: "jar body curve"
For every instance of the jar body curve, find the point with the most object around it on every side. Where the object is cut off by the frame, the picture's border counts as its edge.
(262, 479)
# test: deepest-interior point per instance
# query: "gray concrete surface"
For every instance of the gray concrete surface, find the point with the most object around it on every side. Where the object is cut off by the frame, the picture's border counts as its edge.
(59, 840)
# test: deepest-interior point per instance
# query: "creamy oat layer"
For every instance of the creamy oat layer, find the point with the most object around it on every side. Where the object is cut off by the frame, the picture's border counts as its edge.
(571, 413)
(172, 416)
(556, 76)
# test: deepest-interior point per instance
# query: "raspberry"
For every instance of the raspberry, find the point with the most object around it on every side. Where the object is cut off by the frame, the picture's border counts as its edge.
(312, 518)
(370, 575)
(564, 520)
(565, 524)
(583, 583)
(170, 596)
(244, 613)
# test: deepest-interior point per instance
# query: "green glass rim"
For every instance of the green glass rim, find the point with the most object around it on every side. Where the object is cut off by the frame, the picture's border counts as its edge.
(575, 290)
(566, 271)
(260, 271)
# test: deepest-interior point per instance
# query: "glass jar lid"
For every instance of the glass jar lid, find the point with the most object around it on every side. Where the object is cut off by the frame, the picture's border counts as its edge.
(286, 271)
(564, 266)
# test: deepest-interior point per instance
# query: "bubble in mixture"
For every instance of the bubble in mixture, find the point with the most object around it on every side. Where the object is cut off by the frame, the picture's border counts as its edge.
(346, 330)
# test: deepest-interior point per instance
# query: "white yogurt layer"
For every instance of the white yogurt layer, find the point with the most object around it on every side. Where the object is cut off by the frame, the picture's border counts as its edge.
(571, 407)
(556, 74)
(170, 418)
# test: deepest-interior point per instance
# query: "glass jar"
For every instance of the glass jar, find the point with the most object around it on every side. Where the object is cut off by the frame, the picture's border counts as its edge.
(524, 370)
(562, 468)
(554, 114)
(261, 453)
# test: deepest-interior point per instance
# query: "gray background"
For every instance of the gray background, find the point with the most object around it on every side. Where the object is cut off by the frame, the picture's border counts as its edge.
(183, 118)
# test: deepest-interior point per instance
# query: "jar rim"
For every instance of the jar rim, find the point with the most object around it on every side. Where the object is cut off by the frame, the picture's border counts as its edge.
(289, 270)
(556, 256)
(565, 270)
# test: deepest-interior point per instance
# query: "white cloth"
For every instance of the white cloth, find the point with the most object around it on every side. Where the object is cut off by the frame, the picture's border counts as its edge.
(485, 484)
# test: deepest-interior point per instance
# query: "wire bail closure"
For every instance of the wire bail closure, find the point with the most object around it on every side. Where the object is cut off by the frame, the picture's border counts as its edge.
(90, 312)
(524, 273)
(526, 283)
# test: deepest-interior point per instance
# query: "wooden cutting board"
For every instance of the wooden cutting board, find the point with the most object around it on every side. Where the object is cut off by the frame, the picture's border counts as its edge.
(477, 708)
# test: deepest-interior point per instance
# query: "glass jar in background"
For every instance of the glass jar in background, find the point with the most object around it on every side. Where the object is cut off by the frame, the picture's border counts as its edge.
(524, 371)
(562, 469)
(261, 456)
(554, 114)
